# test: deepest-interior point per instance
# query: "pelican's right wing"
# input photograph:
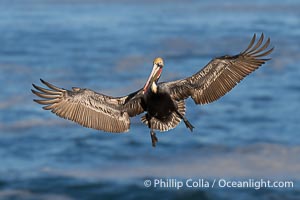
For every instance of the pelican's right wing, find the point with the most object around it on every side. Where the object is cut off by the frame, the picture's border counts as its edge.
(90, 109)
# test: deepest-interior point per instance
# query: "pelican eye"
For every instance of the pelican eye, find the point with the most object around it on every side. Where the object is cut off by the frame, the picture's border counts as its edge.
(159, 64)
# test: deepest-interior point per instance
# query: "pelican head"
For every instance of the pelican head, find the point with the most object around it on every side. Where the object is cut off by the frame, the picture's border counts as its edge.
(158, 64)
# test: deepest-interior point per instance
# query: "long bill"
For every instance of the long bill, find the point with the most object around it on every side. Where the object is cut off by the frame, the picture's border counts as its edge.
(155, 74)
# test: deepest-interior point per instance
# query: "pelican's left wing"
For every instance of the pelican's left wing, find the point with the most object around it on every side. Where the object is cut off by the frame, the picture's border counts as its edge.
(221, 74)
(89, 108)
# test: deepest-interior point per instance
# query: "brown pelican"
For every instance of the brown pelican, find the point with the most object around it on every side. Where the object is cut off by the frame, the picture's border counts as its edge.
(163, 102)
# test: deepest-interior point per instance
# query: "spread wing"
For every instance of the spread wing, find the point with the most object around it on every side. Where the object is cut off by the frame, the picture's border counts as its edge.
(221, 74)
(90, 109)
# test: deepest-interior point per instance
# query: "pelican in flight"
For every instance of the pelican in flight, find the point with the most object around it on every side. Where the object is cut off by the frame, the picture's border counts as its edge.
(163, 102)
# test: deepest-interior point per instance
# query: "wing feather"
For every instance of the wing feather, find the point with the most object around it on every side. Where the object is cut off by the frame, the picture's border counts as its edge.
(221, 74)
(90, 109)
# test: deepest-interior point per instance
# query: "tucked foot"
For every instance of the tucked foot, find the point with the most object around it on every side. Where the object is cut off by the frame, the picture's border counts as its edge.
(153, 138)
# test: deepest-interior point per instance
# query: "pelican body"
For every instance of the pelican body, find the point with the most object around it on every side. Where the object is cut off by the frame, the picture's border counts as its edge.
(163, 102)
(163, 112)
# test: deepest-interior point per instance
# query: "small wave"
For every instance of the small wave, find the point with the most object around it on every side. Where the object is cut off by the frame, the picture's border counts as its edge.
(131, 63)
(260, 160)
(10, 102)
(26, 194)
(30, 123)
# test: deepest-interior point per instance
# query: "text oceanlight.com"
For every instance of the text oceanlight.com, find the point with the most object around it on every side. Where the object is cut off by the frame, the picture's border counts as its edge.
(256, 184)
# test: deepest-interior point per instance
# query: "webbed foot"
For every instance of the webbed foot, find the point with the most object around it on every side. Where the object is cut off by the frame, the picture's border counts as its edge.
(188, 124)
(153, 138)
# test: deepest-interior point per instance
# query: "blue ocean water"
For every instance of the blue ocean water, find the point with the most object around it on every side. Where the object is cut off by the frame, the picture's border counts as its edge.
(108, 46)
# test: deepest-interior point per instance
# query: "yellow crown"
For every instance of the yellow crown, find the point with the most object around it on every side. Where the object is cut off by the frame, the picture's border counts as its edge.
(159, 61)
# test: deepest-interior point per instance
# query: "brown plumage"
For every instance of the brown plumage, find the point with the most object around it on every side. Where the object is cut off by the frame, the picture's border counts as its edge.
(88, 108)
(163, 102)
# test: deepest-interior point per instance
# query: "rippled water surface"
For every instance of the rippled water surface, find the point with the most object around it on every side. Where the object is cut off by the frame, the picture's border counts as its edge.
(108, 46)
